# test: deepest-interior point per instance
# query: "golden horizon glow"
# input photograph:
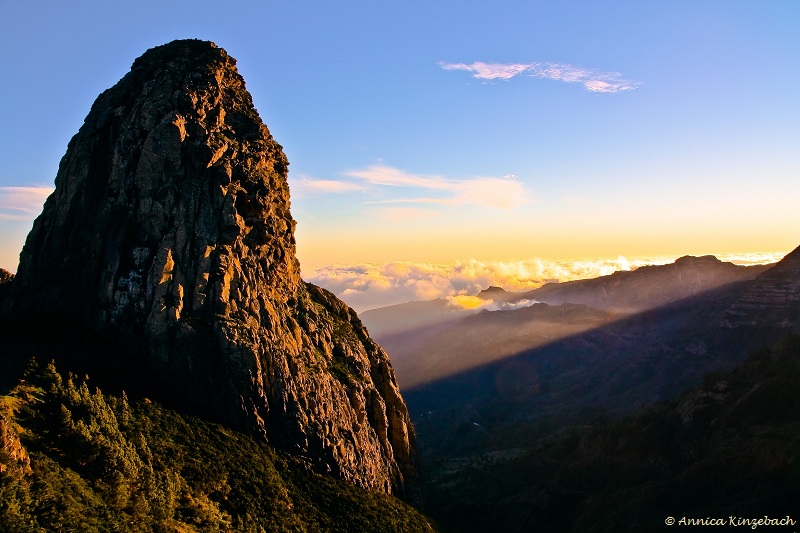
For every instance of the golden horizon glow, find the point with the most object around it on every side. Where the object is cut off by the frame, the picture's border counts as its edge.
(368, 285)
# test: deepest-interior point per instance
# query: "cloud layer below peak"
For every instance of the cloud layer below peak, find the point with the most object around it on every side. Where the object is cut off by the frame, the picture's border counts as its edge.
(368, 286)
(592, 80)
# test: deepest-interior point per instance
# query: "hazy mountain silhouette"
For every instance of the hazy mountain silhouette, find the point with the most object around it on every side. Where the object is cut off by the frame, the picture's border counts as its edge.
(427, 354)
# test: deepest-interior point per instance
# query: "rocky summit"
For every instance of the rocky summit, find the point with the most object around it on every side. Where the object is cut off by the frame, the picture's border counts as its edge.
(169, 230)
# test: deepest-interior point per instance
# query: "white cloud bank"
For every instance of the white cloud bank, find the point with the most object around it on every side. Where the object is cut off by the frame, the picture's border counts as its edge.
(22, 203)
(368, 286)
(592, 80)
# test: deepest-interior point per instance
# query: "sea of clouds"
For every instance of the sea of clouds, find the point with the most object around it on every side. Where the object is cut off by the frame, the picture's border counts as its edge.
(369, 286)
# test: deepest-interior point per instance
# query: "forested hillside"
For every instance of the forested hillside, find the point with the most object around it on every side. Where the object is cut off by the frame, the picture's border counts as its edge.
(76, 459)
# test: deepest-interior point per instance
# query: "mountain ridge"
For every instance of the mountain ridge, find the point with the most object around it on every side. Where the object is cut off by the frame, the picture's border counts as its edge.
(648, 286)
(685, 276)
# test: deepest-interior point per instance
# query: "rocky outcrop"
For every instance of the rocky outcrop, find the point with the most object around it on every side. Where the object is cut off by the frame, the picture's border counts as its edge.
(496, 294)
(12, 453)
(170, 228)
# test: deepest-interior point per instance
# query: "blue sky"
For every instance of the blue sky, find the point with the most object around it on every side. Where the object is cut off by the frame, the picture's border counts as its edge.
(437, 132)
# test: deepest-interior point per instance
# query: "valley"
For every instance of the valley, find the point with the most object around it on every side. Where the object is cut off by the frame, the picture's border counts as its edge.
(516, 402)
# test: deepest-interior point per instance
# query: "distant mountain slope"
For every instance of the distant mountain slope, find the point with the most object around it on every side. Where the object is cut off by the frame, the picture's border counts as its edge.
(730, 448)
(617, 367)
(625, 291)
(424, 355)
(647, 287)
(409, 316)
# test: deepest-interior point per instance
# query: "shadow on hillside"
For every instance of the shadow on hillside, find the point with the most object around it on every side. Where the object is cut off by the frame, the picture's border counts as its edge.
(612, 369)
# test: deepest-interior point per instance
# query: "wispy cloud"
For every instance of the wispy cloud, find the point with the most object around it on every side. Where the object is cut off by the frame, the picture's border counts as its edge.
(489, 71)
(316, 186)
(504, 192)
(394, 177)
(591, 79)
(22, 203)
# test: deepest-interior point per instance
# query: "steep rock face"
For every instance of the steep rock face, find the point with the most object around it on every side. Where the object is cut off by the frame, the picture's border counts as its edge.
(170, 228)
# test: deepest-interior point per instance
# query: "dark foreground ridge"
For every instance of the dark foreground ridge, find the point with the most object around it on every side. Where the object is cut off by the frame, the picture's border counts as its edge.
(167, 252)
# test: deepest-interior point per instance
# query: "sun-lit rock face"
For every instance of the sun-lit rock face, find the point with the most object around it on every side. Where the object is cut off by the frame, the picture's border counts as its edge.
(170, 227)
(11, 450)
